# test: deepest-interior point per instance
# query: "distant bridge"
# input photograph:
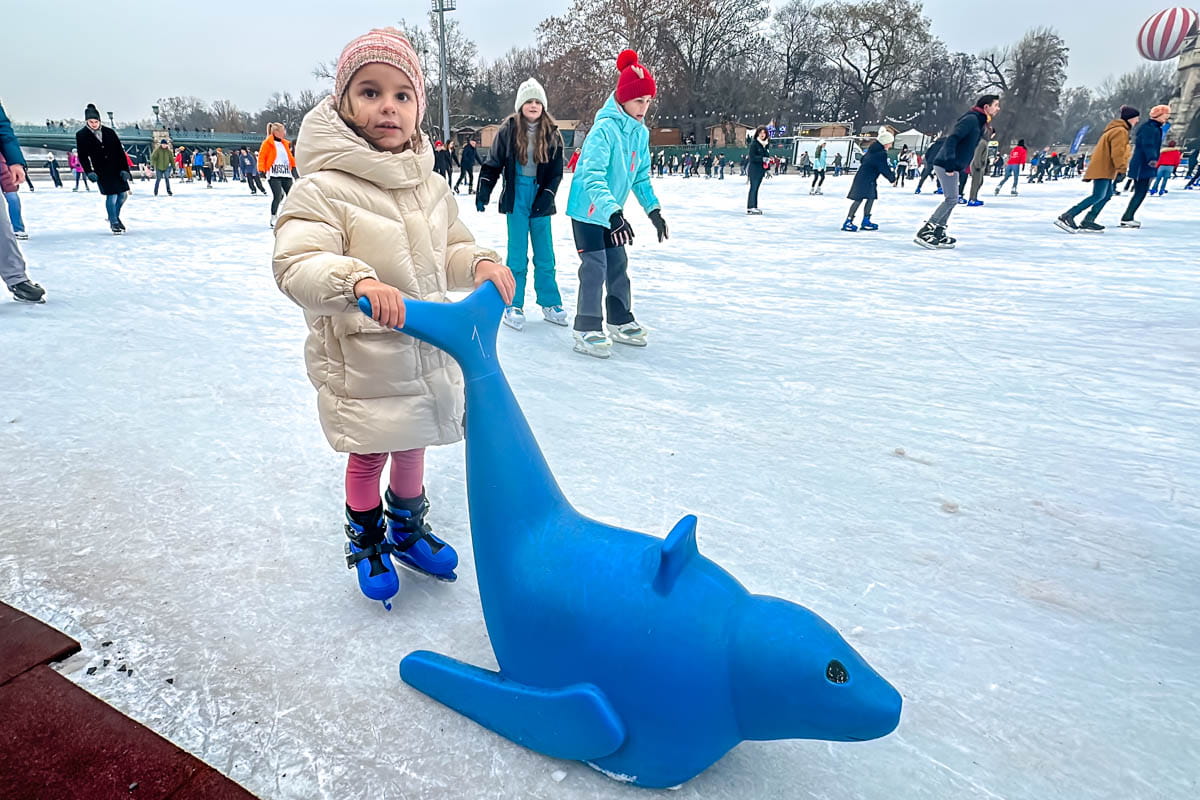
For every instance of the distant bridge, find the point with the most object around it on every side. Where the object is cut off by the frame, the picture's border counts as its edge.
(138, 141)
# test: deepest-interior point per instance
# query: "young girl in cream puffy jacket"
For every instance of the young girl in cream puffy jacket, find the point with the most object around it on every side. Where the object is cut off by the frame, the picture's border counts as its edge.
(370, 219)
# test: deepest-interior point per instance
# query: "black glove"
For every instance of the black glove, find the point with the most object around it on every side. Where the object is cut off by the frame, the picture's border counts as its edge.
(660, 224)
(620, 230)
(93, 177)
(126, 176)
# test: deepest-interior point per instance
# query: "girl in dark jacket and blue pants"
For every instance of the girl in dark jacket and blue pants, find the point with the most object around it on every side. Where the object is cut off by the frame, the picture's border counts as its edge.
(874, 164)
(528, 151)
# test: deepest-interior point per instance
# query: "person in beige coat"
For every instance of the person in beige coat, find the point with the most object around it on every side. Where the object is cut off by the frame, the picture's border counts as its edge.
(370, 219)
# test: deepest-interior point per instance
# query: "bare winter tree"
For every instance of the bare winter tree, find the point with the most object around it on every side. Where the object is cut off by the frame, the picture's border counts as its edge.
(795, 37)
(1030, 77)
(874, 45)
(944, 85)
(698, 37)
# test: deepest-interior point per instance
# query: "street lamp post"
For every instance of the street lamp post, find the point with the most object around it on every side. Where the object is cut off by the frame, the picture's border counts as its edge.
(441, 7)
(110, 120)
(157, 123)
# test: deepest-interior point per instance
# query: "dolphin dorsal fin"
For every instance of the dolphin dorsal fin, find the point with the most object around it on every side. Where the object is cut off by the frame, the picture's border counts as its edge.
(676, 551)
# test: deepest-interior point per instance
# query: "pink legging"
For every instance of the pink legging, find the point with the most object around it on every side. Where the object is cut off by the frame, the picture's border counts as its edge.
(362, 476)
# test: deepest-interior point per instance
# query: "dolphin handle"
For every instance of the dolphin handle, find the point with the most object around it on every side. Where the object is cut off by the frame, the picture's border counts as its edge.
(465, 329)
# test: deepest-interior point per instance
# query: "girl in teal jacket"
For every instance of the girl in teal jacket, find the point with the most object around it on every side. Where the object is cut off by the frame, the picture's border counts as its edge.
(615, 159)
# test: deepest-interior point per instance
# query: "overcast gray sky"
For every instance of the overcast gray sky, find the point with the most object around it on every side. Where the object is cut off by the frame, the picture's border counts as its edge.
(123, 55)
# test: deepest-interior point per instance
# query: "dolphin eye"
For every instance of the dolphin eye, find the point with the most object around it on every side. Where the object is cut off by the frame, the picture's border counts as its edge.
(835, 672)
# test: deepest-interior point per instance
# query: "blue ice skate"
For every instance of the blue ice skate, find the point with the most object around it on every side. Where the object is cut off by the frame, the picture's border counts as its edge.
(368, 551)
(632, 653)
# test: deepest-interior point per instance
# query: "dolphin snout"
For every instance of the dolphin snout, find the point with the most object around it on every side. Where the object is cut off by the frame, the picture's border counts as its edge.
(879, 712)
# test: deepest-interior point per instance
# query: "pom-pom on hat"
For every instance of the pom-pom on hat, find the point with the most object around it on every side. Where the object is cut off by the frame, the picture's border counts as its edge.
(531, 90)
(380, 46)
(886, 137)
(635, 80)
(1129, 112)
(91, 113)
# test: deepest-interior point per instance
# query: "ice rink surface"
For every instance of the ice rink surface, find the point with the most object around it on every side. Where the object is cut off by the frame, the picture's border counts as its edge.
(981, 465)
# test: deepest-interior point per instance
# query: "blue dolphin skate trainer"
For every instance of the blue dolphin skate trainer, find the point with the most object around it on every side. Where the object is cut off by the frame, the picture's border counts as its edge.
(634, 654)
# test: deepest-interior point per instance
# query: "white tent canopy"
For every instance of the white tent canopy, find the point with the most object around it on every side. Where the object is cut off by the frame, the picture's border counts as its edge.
(914, 139)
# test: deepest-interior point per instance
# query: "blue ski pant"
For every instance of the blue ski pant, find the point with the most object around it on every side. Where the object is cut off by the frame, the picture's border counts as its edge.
(522, 229)
(1102, 192)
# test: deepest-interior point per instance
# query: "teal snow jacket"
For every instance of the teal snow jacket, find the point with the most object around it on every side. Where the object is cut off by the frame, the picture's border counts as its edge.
(615, 158)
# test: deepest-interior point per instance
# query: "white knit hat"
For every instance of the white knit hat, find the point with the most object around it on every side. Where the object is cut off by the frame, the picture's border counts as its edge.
(531, 90)
(886, 137)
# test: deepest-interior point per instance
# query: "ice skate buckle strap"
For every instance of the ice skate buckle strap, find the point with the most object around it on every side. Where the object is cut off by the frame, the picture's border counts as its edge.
(370, 551)
(422, 532)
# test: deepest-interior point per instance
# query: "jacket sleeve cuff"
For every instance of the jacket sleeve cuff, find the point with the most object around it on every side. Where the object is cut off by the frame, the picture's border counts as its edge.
(483, 255)
(356, 274)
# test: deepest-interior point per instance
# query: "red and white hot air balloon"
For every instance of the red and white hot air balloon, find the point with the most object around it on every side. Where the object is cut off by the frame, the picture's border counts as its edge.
(1161, 37)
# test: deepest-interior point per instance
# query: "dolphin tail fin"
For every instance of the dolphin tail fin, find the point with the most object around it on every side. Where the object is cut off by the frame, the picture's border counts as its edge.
(676, 551)
(466, 329)
(576, 722)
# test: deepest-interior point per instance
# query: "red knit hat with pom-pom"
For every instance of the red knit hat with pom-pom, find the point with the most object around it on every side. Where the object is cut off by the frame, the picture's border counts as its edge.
(635, 80)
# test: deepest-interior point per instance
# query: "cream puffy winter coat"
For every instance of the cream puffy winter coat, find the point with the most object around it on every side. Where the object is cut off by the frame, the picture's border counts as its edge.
(361, 213)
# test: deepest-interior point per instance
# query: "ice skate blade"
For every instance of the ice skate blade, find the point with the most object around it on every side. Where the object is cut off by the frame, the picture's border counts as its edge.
(630, 342)
(1062, 226)
(39, 302)
(925, 244)
(593, 352)
(449, 577)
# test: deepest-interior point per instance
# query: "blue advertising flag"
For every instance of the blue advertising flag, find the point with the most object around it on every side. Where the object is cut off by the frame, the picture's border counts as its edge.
(1079, 138)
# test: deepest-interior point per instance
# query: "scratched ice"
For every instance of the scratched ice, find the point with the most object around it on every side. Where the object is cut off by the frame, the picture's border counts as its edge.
(981, 466)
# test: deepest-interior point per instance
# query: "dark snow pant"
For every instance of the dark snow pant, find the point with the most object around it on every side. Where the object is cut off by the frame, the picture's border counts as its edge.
(1102, 192)
(818, 178)
(602, 266)
(86, 185)
(756, 179)
(1140, 187)
(255, 183)
(949, 183)
(55, 177)
(926, 171)
(162, 175)
(866, 209)
(208, 173)
(279, 189)
(469, 176)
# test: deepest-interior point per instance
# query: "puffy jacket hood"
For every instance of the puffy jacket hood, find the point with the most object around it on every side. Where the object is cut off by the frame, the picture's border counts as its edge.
(328, 143)
(612, 110)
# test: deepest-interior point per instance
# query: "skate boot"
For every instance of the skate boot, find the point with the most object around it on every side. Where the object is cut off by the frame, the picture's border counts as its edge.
(944, 242)
(849, 225)
(412, 540)
(867, 225)
(974, 203)
(1091, 226)
(514, 318)
(554, 315)
(630, 333)
(28, 292)
(925, 237)
(593, 343)
(1130, 223)
(116, 229)
(1067, 224)
(22, 235)
(368, 551)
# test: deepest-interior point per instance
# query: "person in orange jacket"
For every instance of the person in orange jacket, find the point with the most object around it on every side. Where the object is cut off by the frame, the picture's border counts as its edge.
(276, 161)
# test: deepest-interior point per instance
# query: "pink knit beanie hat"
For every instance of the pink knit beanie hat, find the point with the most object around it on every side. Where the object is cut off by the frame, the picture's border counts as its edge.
(381, 46)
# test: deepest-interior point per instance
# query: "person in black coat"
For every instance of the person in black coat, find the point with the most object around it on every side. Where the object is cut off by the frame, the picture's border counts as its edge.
(874, 163)
(927, 167)
(759, 153)
(1143, 165)
(104, 160)
(466, 166)
(528, 152)
(952, 158)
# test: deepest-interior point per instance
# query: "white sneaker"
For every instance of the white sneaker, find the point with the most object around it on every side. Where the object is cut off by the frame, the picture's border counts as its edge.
(22, 235)
(593, 343)
(514, 318)
(555, 315)
(630, 333)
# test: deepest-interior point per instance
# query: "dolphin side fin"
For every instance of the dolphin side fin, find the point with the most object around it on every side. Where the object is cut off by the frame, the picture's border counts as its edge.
(576, 722)
(676, 551)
